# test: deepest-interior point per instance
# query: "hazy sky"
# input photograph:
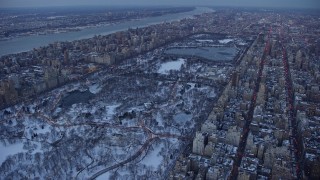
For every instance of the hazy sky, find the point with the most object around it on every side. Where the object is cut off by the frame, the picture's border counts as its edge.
(256, 3)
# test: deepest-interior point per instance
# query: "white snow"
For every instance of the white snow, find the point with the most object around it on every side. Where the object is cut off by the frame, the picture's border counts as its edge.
(205, 40)
(124, 174)
(192, 86)
(171, 65)
(111, 110)
(10, 149)
(46, 129)
(182, 118)
(94, 89)
(225, 41)
(38, 148)
(153, 158)
(212, 94)
(242, 43)
(58, 110)
(159, 119)
(33, 126)
(104, 176)
(31, 109)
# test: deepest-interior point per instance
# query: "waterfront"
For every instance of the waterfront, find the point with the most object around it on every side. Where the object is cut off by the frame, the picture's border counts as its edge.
(27, 43)
(128, 110)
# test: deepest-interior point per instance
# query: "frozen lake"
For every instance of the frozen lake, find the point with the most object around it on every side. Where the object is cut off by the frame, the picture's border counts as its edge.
(210, 53)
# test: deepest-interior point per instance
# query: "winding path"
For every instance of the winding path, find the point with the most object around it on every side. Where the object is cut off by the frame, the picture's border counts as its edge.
(122, 163)
(151, 137)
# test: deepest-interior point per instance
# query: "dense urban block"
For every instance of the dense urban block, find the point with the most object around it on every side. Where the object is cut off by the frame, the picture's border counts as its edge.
(226, 94)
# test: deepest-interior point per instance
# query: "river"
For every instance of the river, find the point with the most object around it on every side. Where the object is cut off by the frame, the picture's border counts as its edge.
(21, 44)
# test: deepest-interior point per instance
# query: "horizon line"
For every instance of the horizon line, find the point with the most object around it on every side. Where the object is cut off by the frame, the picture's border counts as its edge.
(148, 5)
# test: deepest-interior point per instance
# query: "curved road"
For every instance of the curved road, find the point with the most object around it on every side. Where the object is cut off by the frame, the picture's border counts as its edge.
(131, 158)
(151, 137)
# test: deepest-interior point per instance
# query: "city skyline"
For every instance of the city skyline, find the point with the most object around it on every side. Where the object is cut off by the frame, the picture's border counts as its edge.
(314, 4)
(159, 90)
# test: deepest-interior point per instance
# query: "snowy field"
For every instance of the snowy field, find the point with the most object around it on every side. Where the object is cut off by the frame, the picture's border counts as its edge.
(171, 66)
(10, 149)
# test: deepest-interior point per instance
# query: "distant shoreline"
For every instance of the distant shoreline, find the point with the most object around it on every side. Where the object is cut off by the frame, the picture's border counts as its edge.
(27, 43)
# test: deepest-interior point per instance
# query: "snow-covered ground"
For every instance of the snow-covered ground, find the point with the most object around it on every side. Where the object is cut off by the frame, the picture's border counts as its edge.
(104, 176)
(10, 149)
(205, 40)
(182, 118)
(111, 110)
(159, 119)
(242, 43)
(95, 88)
(153, 159)
(212, 94)
(36, 127)
(225, 41)
(113, 125)
(171, 65)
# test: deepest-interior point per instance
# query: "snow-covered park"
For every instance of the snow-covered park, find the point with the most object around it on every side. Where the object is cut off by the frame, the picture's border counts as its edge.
(131, 126)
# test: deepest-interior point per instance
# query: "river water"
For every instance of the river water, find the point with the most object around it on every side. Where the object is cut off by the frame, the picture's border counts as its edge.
(27, 43)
